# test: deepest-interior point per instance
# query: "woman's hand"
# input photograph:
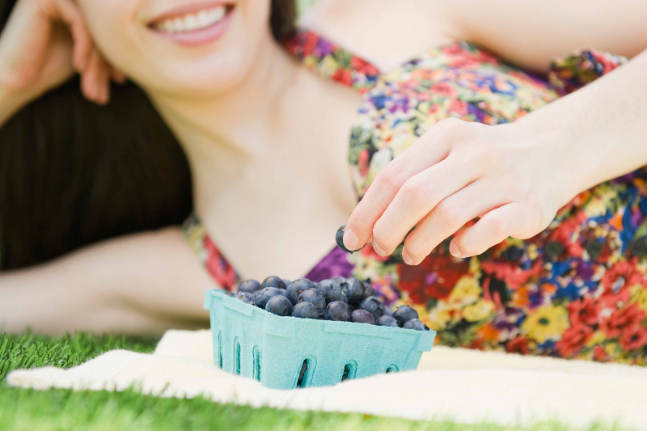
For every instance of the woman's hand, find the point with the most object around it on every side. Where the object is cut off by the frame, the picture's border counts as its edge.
(512, 178)
(42, 45)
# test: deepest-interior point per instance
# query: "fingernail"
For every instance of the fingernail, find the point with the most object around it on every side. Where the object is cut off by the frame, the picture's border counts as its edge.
(351, 241)
(453, 249)
(378, 250)
(407, 259)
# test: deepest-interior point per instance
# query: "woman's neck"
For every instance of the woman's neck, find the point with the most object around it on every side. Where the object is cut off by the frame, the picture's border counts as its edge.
(276, 142)
(235, 121)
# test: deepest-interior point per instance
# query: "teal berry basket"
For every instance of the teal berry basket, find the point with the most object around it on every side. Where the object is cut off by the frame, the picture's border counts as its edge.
(289, 352)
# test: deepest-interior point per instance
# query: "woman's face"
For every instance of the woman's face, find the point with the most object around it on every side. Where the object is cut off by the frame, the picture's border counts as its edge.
(180, 47)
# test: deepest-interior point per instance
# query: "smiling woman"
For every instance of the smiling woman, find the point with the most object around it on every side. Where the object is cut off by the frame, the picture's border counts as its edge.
(61, 153)
(511, 225)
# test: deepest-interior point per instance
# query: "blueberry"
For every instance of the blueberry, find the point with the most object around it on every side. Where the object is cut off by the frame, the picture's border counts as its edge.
(404, 313)
(387, 311)
(264, 295)
(387, 321)
(362, 316)
(279, 305)
(286, 282)
(338, 311)
(415, 324)
(339, 239)
(246, 297)
(296, 287)
(315, 297)
(339, 280)
(273, 281)
(354, 290)
(368, 290)
(373, 306)
(305, 310)
(331, 290)
(249, 286)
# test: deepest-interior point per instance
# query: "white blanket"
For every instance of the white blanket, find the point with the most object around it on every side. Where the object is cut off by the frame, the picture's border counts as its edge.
(461, 385)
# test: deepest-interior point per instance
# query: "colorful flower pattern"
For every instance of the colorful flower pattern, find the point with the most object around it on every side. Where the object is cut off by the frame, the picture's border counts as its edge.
(576, 290)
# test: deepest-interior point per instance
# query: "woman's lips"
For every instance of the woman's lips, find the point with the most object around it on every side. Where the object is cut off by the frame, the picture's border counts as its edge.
(194, 26)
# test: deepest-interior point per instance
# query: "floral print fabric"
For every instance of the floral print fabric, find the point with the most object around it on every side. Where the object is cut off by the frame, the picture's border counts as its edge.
(576, 290)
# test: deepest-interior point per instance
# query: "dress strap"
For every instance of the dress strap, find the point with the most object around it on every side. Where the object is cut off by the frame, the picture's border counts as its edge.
(209, 254)
(331, 61)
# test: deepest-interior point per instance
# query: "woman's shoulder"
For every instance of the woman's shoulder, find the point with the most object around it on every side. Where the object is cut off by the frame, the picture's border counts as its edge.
(384, 32)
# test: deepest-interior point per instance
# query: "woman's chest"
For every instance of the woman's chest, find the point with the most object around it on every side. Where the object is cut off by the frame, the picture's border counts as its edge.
(279, 214)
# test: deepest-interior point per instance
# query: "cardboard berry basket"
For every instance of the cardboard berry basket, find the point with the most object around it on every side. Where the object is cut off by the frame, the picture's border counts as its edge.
(289, 352)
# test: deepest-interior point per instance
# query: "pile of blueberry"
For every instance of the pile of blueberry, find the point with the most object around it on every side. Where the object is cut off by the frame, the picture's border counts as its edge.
(340, 299)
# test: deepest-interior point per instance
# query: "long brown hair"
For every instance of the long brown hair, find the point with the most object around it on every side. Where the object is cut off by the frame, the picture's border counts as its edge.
(73, 173)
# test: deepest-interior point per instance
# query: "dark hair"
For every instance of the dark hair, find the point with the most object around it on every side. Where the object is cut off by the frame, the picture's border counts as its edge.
(73, 173)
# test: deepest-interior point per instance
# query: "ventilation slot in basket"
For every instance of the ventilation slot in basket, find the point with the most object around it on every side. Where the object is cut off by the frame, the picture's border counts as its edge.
(236, 356)
(349, 371)
(306, 372)
(220, 349)
(392, 369)
(257, 363)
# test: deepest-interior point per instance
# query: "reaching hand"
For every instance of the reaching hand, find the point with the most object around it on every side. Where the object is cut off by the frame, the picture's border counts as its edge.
(512, 179)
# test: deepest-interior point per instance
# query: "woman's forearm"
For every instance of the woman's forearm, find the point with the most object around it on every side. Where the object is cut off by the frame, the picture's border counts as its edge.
(602, 127)
(139, 284)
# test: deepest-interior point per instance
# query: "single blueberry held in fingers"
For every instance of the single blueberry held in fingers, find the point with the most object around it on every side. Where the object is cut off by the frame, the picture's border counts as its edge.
(331, 290)
(339, 239)
(362, 316)
(273, 281)
(415, 324)
(264, 295)
(368, 290)
(315, 297)
(373, 306)
(249, 286)
(387, 321)
(338, 311)
(305, 310)
(295, 288)
(246, 297)
(404, 314)
(354, 290)
(279, 305)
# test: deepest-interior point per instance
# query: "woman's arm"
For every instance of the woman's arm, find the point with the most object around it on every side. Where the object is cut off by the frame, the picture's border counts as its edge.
(140, 284)
(513, 176)
(530, 33)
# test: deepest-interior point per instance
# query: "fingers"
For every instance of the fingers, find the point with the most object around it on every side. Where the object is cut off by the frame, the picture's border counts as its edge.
(67, 12)
(416, 198)
(117, 75)
(95, 79)
(514, 219)
(430, 149)
(96, 72)
(448, 217)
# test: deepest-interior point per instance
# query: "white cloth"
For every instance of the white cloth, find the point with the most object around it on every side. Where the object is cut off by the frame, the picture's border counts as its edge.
(464, 386)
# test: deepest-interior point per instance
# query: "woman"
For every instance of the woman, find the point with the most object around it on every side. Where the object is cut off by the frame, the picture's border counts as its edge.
(266, 142)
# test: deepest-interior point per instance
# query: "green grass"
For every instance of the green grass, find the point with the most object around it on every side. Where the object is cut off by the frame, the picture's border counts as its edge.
(53, 410)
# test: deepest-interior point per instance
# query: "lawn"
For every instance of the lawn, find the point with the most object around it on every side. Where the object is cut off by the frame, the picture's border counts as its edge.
(29, 410)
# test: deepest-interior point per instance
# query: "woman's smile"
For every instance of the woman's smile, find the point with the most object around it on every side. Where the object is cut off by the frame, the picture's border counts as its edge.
(194, 24)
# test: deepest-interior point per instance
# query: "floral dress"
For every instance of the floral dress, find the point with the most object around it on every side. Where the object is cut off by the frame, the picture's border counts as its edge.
(576, 290)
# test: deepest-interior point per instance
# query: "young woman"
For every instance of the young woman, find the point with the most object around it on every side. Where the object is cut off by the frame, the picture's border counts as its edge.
(267, 143)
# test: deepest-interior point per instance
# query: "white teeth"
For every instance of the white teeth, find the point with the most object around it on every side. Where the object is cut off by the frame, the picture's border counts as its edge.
(192, 22)
(203, 19)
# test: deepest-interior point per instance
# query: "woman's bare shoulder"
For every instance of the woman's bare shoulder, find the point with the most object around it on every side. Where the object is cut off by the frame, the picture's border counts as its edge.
(385, 32)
